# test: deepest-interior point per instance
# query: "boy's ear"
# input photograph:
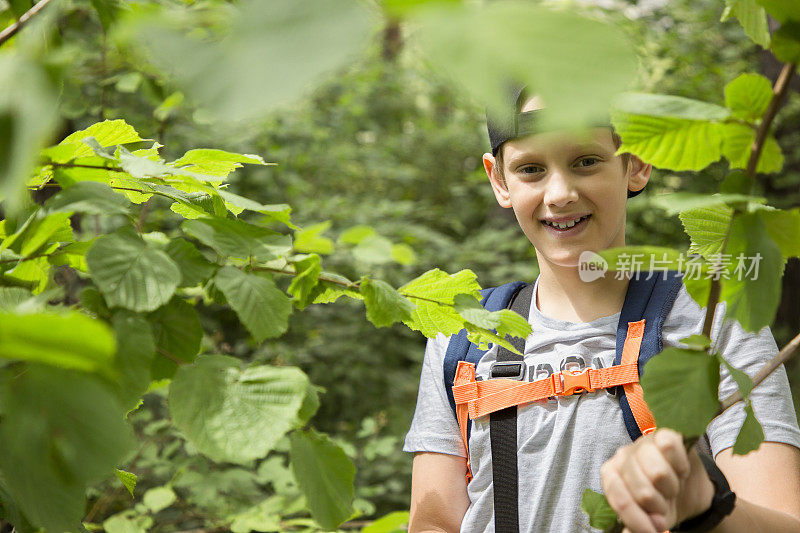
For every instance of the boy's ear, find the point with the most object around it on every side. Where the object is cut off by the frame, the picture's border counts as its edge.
(496, 179)
(638, 173)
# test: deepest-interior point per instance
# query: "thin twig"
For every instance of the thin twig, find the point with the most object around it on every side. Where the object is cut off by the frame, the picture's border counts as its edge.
(768, 368)
(12, 30)
(93, 167)
(778, 93)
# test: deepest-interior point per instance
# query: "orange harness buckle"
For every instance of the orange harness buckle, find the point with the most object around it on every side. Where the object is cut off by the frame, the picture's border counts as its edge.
(570, 382)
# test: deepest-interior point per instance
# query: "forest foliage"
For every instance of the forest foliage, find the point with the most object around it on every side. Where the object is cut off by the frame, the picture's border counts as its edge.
(192, 255)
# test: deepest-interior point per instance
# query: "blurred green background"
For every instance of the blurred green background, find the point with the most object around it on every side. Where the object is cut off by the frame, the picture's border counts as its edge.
(384, 142)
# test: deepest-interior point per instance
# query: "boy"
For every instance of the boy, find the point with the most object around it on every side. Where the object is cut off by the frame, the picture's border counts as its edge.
(569, 196)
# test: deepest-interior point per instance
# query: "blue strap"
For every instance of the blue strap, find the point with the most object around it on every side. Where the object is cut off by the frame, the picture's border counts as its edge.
(460, 349)
(652, 300)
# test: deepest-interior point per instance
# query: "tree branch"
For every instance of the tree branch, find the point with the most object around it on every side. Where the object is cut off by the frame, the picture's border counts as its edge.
(12, 30)
(765, 371)
(778, 93)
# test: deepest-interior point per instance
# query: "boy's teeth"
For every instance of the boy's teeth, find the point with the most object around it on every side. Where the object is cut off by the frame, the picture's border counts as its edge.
(565, 225)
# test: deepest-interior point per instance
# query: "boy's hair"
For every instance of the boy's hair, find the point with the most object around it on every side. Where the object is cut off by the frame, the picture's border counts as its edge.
(626, 157)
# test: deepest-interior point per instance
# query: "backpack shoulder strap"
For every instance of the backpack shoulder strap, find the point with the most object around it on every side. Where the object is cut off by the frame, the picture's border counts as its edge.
(647, 304)
(460, 349)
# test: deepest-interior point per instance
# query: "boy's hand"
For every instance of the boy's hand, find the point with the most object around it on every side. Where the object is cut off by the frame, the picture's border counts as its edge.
(654, 484)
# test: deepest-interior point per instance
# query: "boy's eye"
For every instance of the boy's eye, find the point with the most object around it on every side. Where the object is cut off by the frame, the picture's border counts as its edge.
(587, 161)
(530, 169)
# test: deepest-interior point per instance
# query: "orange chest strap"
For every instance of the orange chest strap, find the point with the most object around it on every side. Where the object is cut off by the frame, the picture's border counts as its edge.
(475, 399)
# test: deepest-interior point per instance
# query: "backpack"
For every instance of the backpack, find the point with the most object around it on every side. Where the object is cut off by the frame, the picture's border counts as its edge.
(647, 304)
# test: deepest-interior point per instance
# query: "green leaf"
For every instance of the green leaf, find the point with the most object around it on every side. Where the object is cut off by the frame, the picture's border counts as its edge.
(601, 514)
(38, 231)
(384, 304)
(686, 374)
(706, 228)
(326, 292)
(736, 182)
(742, 380)
(753, 298)
(390, 523)
(432, 317)
(748, 96)
(106, 133)
(309, 407)
(504, 322)
(107, 11)
(675, 203)
(88, 197)
(265, 516)
(325, 474)
(697, 342)
(751, 434)
(782, 9)
(669, 143)
(135, 352)
(169, 107)
(159, 498)
(356, 234)
(215, 162)
(61, 431)
(786, 42)
(28, 114)
(310, 239)
(752, 17)
(127, 522)
(130, 273)
(403, 254)
(178, 333)
(72, 255)
(321, 35)
(273, 212)
(481, 47)
(737, 145)
(128, 479)
(783, 227)
(70, 340)
(235, 415)
(238, 239)
(262, 307)
(373, 250)
(306, 278)
(669, 106)
(195, 268)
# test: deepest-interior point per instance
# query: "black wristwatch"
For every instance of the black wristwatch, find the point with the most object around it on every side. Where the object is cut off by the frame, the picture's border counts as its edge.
(721, 505)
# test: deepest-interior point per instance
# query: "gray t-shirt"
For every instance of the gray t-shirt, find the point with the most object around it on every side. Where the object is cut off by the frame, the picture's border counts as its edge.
(563, 442)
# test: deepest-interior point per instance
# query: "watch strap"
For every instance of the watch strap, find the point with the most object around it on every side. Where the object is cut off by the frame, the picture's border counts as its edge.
(722, 503)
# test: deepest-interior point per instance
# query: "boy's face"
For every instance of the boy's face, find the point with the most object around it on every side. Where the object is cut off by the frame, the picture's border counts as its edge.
(559, 179)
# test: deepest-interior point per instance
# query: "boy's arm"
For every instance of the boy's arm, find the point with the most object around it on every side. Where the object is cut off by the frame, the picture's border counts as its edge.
(438, 493)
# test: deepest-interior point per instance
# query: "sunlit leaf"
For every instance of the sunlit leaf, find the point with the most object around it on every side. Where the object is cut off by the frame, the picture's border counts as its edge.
(436, 289)
(752, 17)
(748, 95)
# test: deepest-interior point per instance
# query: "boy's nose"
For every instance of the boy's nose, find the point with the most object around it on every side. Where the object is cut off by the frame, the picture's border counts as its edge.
(560, 190)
